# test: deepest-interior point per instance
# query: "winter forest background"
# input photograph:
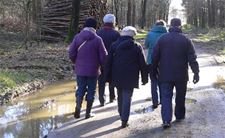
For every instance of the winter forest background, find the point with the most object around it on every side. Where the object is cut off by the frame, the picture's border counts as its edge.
(51, 19)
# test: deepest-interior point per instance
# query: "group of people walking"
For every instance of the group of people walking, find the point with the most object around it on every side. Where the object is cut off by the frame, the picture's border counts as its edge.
(109, 56)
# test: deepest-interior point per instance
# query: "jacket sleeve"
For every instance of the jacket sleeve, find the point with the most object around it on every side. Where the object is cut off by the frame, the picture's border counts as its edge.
(108, 65)
(73, 50)
(155, 59)
(102, 52)
(147, 41)
(143, 65)
(192, 58)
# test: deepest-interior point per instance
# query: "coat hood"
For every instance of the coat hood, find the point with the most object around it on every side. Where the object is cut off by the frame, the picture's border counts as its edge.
(160, 29)
(88, 33)
(126, 42)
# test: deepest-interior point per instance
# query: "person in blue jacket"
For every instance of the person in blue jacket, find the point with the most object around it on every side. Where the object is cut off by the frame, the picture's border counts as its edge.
(158, 30)
(125, 61)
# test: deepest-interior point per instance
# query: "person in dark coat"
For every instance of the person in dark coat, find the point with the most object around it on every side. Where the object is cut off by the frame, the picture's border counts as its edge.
(88, 53)
(125, 61)
(172, 54)
(108, 35)
(158, 30)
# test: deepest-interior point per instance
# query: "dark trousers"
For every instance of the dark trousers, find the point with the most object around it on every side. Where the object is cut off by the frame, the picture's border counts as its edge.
(166, 89)
(86, 84)
(101, 90)
(154, 87)
(124, 103)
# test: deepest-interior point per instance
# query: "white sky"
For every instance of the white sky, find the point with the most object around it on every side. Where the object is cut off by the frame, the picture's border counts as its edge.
(176, 4)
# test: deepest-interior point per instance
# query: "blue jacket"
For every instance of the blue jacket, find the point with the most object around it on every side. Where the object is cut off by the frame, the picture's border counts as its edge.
(171, 56)
(125, 61)
(151, 40)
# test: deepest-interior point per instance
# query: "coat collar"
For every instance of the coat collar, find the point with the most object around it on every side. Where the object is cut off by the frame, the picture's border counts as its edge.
(175, 29)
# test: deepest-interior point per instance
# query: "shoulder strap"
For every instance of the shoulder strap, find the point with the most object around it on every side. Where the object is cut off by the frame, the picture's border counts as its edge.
(81, 46)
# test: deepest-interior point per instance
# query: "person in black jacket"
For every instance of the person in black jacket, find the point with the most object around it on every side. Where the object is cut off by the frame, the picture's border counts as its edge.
(171, 56)
(125, 61)
(108, 35)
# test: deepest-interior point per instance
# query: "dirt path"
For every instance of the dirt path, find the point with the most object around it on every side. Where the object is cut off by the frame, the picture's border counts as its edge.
(205, 109)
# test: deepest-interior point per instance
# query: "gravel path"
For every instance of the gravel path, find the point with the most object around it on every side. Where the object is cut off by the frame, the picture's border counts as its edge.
(205, 112)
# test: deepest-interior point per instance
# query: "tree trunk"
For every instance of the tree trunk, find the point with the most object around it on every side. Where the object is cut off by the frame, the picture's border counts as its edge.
(73, 29)
(129, 12)
(143, 13)
(133, 13)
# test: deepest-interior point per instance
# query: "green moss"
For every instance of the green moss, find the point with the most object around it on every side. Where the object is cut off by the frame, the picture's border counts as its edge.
(11, 79)
(141, 35)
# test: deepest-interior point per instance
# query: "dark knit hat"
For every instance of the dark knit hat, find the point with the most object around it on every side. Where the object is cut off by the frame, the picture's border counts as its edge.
(175, 22)
(91, 22)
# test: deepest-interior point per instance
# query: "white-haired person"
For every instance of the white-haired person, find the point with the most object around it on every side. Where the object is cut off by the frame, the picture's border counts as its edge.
(108, 35)
(125, 61)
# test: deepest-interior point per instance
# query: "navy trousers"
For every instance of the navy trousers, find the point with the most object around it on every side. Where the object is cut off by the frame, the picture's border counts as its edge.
(154, 87)
(124, 103)
(101, 90)
(166, 90)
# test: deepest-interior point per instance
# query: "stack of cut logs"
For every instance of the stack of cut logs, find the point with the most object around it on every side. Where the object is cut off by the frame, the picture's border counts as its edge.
(56, 16)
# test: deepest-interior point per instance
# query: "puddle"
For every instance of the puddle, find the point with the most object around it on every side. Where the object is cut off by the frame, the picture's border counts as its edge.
(36, 115)
(143, 110)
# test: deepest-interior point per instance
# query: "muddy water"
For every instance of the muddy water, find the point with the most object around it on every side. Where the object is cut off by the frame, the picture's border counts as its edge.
(34, 116)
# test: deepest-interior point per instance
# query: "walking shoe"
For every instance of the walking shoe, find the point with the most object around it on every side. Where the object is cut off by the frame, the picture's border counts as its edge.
(124, 124)
(77, 114)
(154, 106)
(89, 115)
(180, 119)
(102, 104)
(112, 100)
(166, 125)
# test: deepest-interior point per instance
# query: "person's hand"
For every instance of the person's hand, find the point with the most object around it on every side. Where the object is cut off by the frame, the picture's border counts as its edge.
(195, 78)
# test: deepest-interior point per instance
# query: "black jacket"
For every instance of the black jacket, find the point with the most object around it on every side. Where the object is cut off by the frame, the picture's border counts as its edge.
(125, 61)
(172, 54)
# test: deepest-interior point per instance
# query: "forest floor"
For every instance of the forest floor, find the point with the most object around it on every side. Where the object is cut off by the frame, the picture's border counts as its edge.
(23, 71)
(205, 107)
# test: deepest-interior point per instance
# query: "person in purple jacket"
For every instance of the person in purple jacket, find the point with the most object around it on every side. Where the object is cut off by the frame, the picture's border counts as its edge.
(171, 56)
(108, 35)
(88, 53)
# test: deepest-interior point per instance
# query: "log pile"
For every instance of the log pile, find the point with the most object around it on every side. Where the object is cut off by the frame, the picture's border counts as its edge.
(56, 17)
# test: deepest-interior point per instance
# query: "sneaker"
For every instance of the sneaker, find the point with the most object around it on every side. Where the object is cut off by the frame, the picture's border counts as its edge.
(166, 125)
(124, 124)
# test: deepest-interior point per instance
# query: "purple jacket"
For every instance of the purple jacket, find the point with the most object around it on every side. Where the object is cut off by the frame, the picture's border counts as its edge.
(90, 56)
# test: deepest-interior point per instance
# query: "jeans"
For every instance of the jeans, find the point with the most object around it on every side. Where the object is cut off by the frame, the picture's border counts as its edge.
(124, 103)
(101, 90)
(166, 89)
(84, 84)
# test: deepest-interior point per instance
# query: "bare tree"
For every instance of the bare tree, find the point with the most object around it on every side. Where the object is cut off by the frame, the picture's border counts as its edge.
(129, 10)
